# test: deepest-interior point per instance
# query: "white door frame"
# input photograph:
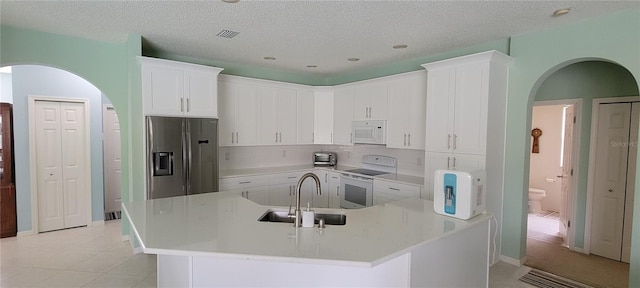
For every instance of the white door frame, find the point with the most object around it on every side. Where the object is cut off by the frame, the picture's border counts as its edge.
(575, 156)
(595, 110)
(33, 171)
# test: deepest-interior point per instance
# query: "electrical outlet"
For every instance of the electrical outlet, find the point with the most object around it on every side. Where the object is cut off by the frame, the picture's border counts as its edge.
(419, 162)
(284, 154)
(227, 156)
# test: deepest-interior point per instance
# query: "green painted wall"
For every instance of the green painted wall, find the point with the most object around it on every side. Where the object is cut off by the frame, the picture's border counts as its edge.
(501, 45)
(614, 38)
(105, 65)
(587, 81)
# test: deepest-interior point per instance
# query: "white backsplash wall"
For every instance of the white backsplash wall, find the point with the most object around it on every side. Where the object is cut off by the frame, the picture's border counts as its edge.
(264, 156)
(410, 162)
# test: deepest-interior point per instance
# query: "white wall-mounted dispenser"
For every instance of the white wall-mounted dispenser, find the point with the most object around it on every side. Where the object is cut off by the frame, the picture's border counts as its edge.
(459, 194)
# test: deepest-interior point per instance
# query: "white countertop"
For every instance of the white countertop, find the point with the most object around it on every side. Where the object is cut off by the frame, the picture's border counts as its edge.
(401, 178)
(225, 224)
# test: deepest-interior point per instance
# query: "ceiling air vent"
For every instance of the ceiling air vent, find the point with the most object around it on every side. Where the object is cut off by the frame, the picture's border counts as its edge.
(227, 33)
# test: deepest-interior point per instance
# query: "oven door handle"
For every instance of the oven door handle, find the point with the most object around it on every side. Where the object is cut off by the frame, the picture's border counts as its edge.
(352, 176)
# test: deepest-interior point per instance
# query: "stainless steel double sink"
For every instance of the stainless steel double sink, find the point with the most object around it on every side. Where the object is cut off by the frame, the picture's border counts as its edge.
(284, 217)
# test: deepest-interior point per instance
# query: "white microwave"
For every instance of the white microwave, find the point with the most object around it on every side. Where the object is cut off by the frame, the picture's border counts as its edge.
(369, 132)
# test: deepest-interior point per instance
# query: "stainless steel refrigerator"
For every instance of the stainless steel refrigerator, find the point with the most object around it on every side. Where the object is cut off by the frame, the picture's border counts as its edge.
(182, 156)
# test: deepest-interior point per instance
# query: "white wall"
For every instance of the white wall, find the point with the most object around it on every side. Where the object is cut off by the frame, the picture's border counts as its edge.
(410, 162)
(545, 166)
(53, 82)
(6, 88)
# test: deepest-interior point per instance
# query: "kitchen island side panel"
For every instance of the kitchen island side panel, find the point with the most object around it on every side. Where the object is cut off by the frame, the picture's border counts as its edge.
(458, 260)
(226, 272)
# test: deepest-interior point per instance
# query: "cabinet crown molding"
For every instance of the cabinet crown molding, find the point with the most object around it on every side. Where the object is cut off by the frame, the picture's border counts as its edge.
(491, 55)
(157, 62)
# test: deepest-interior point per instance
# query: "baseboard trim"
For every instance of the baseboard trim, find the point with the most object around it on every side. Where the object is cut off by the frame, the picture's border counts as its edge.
(25, 233)
(513, 261)
(125, 238)
(97, 223)
(137, 250)
(581, 250)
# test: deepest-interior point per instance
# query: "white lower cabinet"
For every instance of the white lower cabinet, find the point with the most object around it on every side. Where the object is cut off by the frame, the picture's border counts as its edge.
(282, 188)
(334, 190)
(435, 161)
(387, 191)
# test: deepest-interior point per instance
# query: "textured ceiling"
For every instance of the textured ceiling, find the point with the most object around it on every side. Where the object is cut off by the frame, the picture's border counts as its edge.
(300, 33)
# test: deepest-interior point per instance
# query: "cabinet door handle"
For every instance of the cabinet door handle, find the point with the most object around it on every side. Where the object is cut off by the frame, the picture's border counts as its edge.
(351, 138)
(326, 178)
(232, 138)
(449, 141)
(338, 191)
(181, 104)
(237, 141)
(454, 162)
(455, 141)
(409, 140)
(292, 177)
(448, 162)
(245, 182)
(276, 137)
(394, 189)
(280, 137)
(405, 139)
(188, 105)
(332, 137)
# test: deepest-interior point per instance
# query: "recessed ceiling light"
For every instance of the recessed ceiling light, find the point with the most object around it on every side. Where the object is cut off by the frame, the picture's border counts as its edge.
(269, 58)
(231, 1)
(312, 66)
(400, 46)
(354, 59)
(560, 12)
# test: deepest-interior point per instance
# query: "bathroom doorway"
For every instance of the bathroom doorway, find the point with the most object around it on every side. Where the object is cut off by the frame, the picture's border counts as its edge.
(551, 180)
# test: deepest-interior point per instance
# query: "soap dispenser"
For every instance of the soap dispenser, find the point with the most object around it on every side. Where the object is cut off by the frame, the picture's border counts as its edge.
(308, 216)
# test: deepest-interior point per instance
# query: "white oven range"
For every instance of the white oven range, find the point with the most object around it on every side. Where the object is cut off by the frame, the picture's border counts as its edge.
(357, 184)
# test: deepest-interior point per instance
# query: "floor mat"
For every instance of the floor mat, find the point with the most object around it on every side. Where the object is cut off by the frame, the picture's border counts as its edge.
(543, 279)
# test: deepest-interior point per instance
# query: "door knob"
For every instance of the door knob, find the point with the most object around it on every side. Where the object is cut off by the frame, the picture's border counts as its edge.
(610, 190)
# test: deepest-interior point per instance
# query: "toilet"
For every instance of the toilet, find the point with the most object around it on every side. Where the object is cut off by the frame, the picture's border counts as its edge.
(535, 195)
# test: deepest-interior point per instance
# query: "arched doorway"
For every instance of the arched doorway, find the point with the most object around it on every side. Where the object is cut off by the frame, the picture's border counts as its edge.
(36, 83)
(586, 80)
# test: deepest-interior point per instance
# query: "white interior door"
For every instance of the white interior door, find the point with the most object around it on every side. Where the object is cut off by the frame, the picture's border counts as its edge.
(631, 182)
(49, 161)
(567, 171)
(72, 125)
(61, 158)
(610, 179)
(112, 160)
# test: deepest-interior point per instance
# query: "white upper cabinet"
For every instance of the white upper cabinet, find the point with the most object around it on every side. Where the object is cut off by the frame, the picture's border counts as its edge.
(406, 111)
(342, 115)
(459, 93)
(323, 116)
(276, 115)
(171, 88)
(457, 105)
(305, 103)
(237, 122)
(370, 100)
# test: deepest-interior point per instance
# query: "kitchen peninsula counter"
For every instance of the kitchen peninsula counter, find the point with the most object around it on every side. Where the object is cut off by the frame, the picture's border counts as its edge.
(212, 239)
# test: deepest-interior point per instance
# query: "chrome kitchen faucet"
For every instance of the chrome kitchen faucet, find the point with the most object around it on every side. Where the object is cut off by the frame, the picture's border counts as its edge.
(298, 212)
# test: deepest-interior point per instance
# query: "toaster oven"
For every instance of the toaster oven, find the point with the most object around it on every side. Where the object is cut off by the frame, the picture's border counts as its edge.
(325, 159)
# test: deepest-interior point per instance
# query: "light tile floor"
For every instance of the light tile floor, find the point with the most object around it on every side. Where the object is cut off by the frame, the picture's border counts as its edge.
(81, 257)
(97, 257)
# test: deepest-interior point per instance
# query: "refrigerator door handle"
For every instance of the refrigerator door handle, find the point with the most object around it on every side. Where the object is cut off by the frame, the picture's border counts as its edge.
(189, 160)
(149, 157)
(185, 186)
